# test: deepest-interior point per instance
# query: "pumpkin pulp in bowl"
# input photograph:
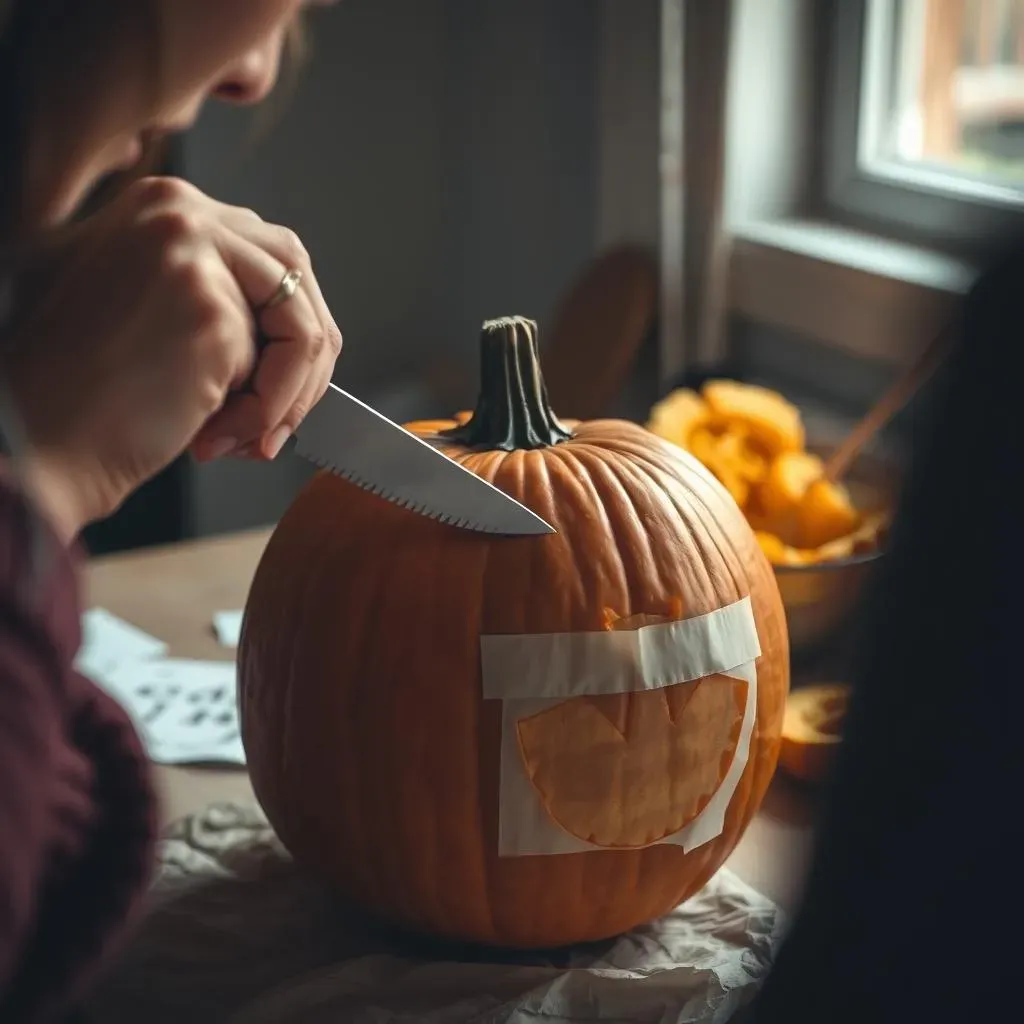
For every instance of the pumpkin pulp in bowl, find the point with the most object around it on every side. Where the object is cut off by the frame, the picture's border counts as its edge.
(821, 538)
(371, 744)
(821, 596)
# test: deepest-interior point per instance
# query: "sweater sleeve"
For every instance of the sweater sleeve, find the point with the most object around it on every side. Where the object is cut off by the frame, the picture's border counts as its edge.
(77, 812)
(30, 730)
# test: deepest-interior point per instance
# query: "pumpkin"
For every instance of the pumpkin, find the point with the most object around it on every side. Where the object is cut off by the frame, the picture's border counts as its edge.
(812, 729)
(370, 742)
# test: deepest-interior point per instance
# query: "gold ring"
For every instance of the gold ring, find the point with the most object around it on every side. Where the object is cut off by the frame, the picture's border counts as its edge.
(286, 289)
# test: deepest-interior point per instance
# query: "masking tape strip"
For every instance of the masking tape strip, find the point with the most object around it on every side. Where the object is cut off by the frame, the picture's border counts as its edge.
(535, 666)
(524, 827)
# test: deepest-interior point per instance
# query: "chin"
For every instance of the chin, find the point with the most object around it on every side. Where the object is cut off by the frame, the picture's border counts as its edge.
(84, 190)
(67, 204)
(86, 196)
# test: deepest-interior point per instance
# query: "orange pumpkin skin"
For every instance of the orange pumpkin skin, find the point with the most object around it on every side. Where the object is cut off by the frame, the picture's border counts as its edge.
(369, 745)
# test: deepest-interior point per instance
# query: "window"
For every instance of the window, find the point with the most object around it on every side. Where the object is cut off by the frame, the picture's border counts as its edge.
(845, 244)
(926, 119)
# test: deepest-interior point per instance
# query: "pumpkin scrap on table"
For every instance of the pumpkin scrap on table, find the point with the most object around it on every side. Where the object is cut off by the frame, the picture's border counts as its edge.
(388, 764)
(753, 440)
(812, 730)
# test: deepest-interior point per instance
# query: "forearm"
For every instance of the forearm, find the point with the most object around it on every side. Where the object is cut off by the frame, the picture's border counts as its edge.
(89, 905)
(28, 725)
(77, 811)
(31, 677)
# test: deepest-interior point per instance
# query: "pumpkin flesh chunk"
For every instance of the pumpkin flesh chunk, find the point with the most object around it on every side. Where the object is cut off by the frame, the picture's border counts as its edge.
(812, 729)
(627, 770)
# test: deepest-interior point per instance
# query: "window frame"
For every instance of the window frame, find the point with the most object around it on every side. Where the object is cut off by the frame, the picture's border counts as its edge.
(781, 265)
(918, 206)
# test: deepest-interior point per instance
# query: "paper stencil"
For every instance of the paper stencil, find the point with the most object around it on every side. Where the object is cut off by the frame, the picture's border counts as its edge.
(108, 641)
(722, 643)
(186, 711)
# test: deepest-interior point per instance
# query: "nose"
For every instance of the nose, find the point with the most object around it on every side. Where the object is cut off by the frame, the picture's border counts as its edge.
(252, 78)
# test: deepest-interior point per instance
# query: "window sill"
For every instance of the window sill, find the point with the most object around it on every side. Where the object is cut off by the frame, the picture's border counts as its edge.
(865, 295)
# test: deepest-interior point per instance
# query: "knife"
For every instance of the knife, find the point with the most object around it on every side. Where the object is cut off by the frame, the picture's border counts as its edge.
(356, 442)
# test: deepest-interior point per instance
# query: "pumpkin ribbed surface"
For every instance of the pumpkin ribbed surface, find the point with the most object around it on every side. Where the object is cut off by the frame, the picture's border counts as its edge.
(370, 746)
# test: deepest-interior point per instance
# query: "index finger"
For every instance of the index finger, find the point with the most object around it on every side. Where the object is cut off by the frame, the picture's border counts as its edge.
(291, 341)
(287, 248)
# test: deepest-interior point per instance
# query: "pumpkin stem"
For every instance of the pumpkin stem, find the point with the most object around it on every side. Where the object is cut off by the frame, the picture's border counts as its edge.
(513, 412)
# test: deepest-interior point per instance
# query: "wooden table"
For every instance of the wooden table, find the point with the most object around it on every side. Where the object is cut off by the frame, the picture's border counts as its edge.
(173, 592)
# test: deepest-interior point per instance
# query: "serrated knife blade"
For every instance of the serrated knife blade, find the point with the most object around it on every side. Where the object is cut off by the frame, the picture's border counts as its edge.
(348, 437)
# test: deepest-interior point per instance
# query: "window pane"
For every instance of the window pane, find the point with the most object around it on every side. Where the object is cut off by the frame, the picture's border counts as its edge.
(943, 92)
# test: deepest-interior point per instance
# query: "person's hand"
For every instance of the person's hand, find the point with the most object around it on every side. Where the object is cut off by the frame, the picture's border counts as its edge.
(133, 341)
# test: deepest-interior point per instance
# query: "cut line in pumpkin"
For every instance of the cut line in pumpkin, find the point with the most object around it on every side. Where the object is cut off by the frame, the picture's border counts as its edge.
(624, 771)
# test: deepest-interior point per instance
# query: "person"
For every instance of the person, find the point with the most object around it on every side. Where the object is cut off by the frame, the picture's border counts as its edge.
(127, 338)
(912, 908)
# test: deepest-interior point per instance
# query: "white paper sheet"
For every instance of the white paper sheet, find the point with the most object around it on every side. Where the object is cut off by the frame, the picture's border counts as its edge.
(186, 711)
(108, 641)
(228, 627)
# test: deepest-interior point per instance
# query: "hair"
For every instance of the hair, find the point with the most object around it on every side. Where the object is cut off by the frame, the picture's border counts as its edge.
(53, 53)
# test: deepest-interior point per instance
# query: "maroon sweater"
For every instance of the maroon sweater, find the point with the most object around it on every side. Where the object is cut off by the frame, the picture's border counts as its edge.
(77, 811)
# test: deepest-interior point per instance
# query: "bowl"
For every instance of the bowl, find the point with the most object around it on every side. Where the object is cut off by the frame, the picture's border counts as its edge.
(821, 600)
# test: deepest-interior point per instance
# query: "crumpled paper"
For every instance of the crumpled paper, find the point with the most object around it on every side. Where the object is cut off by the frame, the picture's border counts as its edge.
(235, 935)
